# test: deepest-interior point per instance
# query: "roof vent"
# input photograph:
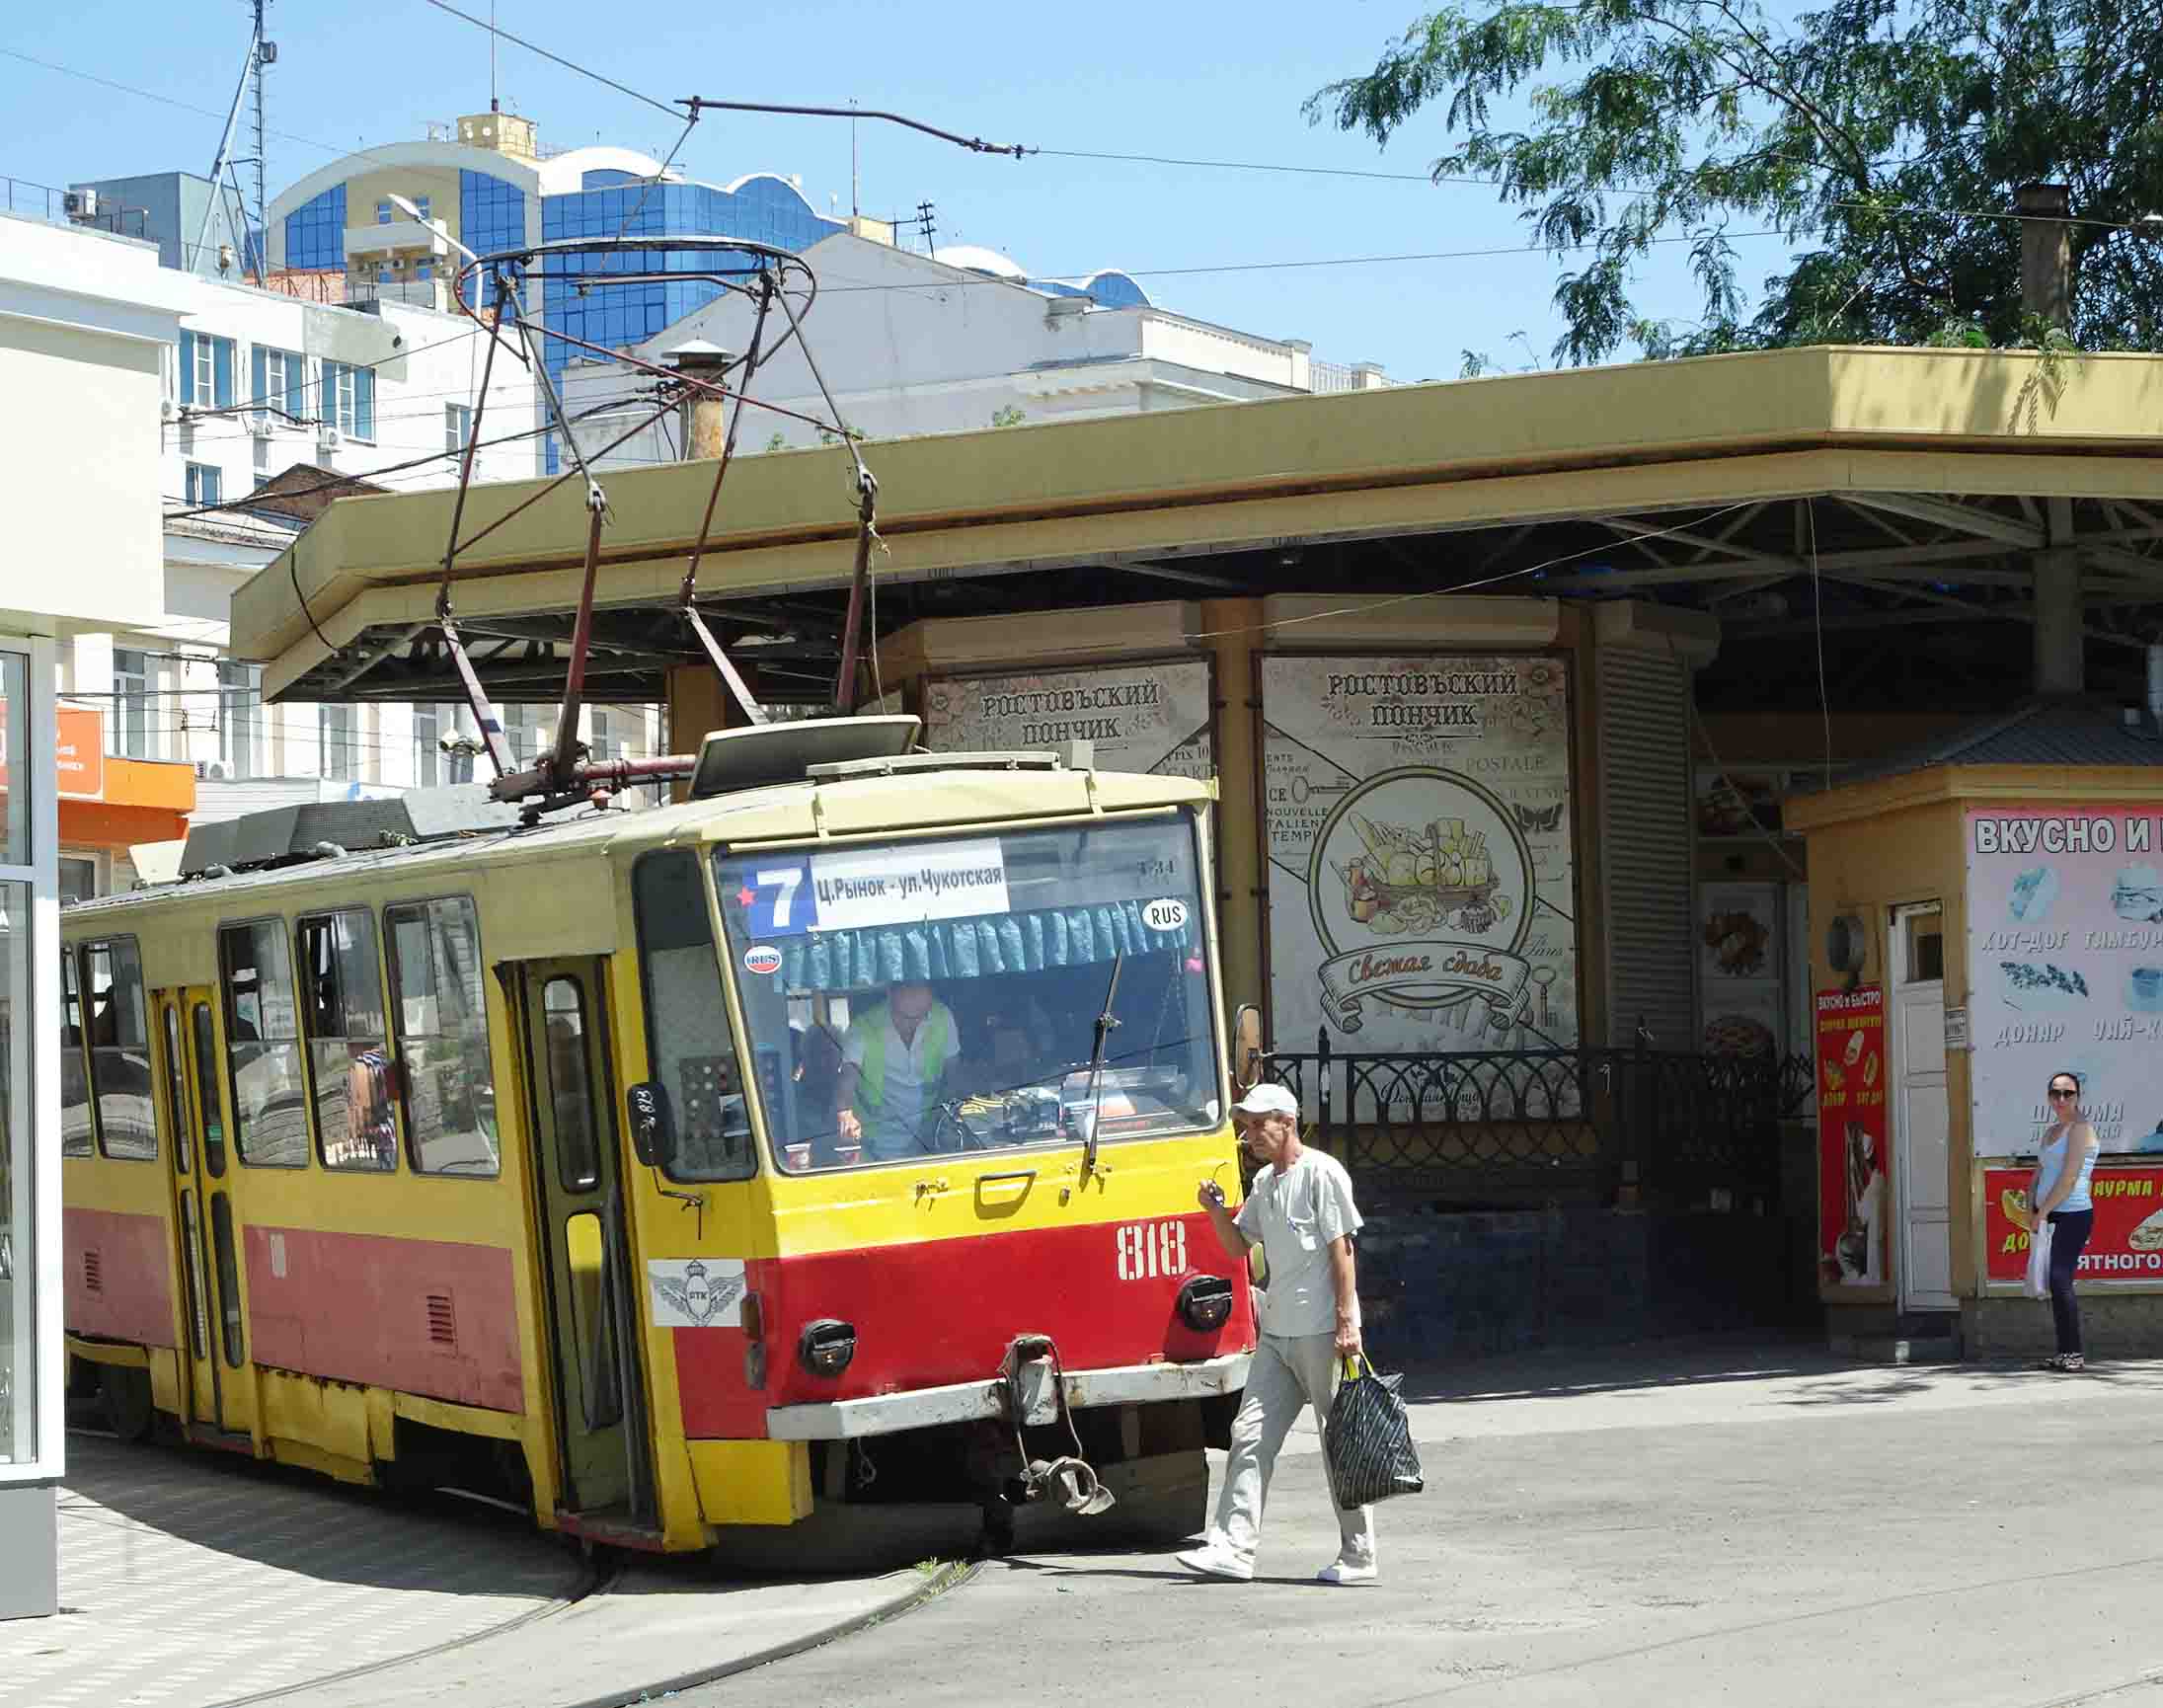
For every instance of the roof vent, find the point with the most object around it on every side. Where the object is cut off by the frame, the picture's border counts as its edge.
(764, 755)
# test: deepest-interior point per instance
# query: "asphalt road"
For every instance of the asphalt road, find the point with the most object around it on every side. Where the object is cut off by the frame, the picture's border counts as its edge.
(1763, 1528)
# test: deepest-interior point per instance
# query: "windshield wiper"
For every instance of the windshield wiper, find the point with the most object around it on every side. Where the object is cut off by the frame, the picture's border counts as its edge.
(1106, 1021)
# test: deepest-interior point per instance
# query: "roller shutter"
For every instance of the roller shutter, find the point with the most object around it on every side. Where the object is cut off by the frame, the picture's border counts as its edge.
(1646, 880)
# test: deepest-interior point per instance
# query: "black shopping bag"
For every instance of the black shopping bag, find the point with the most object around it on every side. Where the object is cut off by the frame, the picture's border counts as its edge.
(1367, 1440)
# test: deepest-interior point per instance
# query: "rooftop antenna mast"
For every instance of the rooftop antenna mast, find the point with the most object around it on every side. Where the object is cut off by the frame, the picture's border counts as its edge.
(258, 241)
(493, 106)
(221, 167)
(856, 200)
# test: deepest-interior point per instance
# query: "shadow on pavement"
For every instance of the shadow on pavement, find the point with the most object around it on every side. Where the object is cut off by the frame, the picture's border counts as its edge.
(1563, 1373)
(296, 1521)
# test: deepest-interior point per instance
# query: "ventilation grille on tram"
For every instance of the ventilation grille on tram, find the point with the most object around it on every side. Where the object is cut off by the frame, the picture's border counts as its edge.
(442, 1320)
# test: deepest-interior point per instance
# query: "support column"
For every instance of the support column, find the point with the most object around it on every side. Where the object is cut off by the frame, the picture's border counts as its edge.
(698, 703)
(2060, 650)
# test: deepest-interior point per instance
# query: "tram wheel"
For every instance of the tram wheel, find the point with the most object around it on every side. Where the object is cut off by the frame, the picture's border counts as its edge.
(124, 1394)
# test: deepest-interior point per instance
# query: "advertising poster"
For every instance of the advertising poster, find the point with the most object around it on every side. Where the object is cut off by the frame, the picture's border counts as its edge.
(1739, 968)
(1147, 716)
(1420, 886)
(2126, 1244)
(1854, 1199)
(2065, 970)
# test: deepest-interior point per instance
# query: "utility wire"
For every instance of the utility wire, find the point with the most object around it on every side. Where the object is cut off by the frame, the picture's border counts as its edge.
(558, 59)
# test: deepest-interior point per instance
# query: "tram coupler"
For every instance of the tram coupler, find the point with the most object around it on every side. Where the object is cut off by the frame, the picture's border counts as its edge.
(1034, 1389)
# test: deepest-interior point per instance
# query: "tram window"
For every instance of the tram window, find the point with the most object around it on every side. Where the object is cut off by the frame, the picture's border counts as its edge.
(263, 1041)
(443, 1037)
(348, 1049)
(120, 1050)
(210, 1108)
(687, 1037)
(570, 1084)
(176, 1089)
(75, 1117)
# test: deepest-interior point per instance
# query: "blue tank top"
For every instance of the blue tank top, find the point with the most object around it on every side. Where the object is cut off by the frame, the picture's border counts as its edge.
(2053, 1165)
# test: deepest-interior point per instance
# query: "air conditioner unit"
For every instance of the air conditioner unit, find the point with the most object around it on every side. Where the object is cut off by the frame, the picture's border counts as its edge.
(328, 437)
(215, 770)
(258, 422)
(81, 204)
(168, 410)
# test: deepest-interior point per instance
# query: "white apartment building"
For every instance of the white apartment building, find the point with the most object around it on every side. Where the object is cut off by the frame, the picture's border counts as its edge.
(262, 389)
(915, 345)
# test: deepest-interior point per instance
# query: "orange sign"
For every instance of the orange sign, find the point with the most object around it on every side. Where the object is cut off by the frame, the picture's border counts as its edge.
(82, 752)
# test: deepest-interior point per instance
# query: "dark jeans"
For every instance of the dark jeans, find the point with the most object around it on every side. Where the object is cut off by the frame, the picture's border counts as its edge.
(2069, 1229)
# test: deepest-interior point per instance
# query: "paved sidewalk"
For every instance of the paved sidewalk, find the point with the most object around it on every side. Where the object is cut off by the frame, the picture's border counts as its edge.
(188, 1580)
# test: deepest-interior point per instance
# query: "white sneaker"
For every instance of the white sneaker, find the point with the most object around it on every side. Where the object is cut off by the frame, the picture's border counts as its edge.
(1348, 1572)
(1217, 1561)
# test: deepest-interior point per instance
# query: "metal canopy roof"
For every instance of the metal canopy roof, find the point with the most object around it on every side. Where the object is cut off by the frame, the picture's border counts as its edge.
(1893, 501)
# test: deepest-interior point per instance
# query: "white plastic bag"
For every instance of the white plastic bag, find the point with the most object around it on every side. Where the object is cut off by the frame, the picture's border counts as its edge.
(2038, 1284)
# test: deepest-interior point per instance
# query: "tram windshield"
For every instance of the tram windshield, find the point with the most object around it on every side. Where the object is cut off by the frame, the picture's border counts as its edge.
(914, 998)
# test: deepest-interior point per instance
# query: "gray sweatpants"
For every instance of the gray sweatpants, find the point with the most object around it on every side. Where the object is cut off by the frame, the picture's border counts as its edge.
(1288, 1373)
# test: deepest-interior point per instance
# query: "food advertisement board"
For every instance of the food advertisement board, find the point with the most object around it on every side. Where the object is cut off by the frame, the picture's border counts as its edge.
(2065, 970)
(1739, 936)
(1854, 1198)
(1417, 813)
(2125, 1245)
(1148, 715)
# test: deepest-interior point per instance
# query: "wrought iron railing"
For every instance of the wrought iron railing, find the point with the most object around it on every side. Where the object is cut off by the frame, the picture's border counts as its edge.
(1588, 1122)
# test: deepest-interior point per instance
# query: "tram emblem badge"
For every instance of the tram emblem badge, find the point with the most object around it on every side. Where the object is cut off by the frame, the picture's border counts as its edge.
(693, 1294)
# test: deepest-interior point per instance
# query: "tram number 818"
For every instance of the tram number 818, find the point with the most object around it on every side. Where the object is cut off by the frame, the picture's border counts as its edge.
(1149, 1249)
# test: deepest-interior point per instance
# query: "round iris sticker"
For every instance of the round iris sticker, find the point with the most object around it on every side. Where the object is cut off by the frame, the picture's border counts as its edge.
(1168, 914)
(762, 959)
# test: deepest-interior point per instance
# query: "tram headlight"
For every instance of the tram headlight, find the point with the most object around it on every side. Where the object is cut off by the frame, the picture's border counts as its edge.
(826, 1346)
(1206, 1302)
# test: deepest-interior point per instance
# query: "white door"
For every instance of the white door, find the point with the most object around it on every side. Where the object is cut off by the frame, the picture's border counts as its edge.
(1921, 1116)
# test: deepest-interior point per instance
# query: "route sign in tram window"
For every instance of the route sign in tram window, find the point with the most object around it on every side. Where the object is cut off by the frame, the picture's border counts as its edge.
(943, 995)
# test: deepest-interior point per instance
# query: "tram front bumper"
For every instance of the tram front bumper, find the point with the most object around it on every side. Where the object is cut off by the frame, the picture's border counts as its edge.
(966, 1402)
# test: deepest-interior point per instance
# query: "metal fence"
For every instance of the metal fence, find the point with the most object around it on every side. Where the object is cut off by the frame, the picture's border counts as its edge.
(1584, 1124)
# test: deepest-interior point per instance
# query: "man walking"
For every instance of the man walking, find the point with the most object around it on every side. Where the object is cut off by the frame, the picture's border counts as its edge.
(1300, 1212)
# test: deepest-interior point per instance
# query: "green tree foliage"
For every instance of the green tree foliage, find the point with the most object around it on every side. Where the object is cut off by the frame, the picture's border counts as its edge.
(1877, 138)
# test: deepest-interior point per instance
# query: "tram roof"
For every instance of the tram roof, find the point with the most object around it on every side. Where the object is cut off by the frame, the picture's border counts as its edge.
(915, 802)
(1951, 450)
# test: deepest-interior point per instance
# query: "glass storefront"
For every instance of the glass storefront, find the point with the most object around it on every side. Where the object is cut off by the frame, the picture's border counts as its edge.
(17, 1292)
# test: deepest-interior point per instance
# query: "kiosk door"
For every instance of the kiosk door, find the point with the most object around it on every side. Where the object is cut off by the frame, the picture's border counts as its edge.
(1921, 1116)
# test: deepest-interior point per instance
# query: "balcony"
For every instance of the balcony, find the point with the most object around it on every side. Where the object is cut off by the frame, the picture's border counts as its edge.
(407, 237)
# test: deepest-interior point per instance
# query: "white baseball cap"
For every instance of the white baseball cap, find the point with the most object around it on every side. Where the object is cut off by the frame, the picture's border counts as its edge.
(1267, 1100)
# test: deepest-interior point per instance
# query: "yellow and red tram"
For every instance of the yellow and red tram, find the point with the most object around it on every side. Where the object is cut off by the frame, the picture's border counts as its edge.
(524, 1146)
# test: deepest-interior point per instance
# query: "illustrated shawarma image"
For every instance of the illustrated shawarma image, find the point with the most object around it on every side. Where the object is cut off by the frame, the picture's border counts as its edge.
(1737, 940)
(1857, 1252)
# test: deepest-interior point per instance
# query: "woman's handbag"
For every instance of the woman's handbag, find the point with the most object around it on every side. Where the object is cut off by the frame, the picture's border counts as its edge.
(2038, 1284)
(1368, 1440)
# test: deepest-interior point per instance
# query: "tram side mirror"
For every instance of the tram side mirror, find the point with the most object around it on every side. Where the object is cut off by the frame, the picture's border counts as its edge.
(1246, 1048)
(653, 1134)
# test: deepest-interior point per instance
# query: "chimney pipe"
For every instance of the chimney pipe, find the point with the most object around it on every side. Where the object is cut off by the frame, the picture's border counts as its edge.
(2046, 252)
(705, 416)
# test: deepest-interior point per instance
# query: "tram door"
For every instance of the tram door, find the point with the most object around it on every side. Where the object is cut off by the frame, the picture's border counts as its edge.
(599, 1415)
(203, 1212)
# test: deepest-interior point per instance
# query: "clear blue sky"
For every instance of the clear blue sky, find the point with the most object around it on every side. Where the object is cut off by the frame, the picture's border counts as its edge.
(1214, 82)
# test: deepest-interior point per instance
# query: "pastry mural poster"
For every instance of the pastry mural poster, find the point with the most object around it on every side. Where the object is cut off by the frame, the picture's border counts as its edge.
(1854, 1198)
(1739, 968)
(2065, 970)
(1421, 881)
(2126, 1244)
(1144, 715)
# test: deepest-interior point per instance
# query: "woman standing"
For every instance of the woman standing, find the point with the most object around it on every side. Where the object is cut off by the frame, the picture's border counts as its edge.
(2058, 1193)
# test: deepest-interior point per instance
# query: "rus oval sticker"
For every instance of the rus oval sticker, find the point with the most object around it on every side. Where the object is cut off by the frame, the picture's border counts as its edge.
(762, 959)
(1168, 914)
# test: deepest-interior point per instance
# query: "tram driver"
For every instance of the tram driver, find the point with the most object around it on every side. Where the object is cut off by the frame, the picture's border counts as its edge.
(895, 1062)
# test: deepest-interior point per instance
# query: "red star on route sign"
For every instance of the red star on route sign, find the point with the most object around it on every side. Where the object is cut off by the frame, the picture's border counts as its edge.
(746, 895)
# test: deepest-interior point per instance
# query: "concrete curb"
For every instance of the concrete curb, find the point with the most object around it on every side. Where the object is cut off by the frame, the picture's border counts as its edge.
(951, 1575)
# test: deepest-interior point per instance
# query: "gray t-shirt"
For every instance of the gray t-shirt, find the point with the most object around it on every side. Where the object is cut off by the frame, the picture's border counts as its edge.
(1296, 1214)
